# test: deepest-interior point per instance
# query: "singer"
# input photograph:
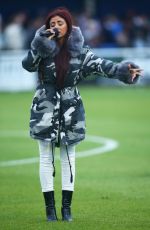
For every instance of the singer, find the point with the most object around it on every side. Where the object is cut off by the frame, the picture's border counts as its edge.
(57, 119)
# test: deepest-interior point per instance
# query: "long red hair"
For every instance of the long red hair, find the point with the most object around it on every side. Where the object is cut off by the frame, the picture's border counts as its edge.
(63, 57)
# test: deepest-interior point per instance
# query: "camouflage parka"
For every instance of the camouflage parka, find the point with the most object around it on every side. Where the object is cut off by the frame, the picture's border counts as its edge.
(58, 115)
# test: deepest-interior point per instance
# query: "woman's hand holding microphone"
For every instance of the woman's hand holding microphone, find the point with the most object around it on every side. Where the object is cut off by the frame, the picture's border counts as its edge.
(50, 33)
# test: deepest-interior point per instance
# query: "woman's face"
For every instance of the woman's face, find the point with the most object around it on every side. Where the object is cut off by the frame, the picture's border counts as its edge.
(60, 24)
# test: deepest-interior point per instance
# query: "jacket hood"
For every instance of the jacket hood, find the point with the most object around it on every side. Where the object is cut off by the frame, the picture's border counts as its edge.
(75, 41)
(46, 47)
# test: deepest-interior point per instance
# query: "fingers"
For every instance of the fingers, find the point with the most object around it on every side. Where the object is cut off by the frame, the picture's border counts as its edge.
(50, 30)
(129, 66)
(139, 70)
(50, 37)
(133, 76)
(53, 33)
(134, 72)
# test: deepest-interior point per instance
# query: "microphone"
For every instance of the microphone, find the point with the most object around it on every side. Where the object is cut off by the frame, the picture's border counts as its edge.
(49, 33)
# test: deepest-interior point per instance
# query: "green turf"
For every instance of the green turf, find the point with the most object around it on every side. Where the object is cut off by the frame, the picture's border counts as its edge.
(112, 191)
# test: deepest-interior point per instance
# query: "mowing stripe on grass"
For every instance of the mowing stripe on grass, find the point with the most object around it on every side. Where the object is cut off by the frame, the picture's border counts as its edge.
(107, 146)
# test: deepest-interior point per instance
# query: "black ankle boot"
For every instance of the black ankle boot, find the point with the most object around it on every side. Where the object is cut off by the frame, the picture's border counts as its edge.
(66, 205)
(50, 206)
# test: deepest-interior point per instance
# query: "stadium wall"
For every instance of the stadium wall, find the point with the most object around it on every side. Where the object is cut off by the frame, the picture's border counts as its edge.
(14, 78)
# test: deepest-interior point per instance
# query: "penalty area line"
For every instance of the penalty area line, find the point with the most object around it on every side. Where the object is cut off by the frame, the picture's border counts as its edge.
(107, 145)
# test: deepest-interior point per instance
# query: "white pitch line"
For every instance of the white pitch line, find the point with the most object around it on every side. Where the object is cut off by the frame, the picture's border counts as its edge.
(107, 146)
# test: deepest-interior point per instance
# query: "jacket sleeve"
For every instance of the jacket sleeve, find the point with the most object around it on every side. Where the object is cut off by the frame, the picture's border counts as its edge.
(31, 61)
(41, 47)
(106, 68)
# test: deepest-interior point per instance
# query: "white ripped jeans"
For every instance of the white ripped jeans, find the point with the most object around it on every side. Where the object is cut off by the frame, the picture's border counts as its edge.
(46, 166)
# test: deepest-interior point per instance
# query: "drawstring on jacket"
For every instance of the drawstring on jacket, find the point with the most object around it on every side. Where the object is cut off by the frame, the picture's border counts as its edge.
(53, 163)
(71, 177)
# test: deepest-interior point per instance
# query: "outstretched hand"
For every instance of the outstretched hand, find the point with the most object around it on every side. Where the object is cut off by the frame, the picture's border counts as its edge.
(134, 71)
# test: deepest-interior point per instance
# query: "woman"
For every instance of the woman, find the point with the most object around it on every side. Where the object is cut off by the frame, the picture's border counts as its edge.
(57, 113)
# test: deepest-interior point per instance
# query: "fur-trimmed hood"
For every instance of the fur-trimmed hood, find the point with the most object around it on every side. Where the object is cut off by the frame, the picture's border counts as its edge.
(46, 47)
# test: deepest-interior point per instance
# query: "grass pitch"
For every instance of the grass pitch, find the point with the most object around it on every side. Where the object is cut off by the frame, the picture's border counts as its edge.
(112, 191)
